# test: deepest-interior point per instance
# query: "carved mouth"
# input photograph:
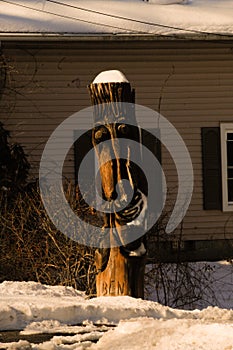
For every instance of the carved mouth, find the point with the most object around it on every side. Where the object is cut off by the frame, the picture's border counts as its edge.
(134, 213)
(130, 212)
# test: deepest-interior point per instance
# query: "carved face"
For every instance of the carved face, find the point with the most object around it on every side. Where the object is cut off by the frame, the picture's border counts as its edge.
(114, 171)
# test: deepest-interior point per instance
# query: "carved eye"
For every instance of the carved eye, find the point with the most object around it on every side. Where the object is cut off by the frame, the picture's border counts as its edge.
(101, 133)
(123, 129)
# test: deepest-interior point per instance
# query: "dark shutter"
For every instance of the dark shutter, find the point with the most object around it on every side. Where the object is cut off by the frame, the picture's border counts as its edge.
(151, 141)
(154, 145)
(212, 186)
(82, 145)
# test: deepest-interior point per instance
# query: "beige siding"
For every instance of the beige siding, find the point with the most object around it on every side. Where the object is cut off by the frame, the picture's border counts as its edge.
(192, 82)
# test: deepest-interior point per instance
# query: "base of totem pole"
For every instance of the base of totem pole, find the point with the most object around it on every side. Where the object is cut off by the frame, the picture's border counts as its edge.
(122, 276)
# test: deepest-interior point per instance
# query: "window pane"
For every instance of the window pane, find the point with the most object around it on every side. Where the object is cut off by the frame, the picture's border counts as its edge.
(230, 152)
(230, 166)
(230, 173)
(230, 190)
(230, 136)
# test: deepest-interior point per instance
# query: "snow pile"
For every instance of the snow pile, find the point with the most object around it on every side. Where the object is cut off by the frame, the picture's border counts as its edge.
(88, 323)
(168, 335)
(51, 326)
(22, 303)
(101, 17)
(13, 289)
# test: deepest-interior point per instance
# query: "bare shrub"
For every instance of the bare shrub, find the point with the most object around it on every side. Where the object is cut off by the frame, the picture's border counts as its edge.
(183, 285)
(31, 246)
(180, 284)
(33, 249)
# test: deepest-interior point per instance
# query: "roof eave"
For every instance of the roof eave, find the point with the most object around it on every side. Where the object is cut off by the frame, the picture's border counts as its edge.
(111, 37)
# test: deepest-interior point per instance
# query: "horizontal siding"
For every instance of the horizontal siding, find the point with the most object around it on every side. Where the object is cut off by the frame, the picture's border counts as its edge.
(191, 82)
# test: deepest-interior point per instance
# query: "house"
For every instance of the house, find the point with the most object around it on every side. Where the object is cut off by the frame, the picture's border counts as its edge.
(178, 57)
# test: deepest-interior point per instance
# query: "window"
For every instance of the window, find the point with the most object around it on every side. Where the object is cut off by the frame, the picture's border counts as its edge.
(227, 165)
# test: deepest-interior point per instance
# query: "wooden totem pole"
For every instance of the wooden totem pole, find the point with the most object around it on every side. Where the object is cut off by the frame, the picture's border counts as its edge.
(120, 268)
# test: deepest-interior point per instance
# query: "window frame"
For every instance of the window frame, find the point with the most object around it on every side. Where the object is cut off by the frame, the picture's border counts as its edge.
(225, 128)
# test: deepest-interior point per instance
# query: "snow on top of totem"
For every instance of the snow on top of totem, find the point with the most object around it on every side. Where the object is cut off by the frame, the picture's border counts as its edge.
(101, 17)
(110, 76)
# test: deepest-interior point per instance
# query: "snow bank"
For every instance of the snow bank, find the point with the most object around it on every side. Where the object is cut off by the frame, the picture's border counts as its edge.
(22, 303)
(173, 334)
(13, 289)
(88, 323)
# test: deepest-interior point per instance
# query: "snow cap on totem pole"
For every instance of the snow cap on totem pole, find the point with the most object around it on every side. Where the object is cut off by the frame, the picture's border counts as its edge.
(112, 89)
(110, 76)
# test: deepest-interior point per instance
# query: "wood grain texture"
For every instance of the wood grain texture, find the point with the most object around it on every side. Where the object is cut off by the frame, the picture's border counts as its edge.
(120, 274)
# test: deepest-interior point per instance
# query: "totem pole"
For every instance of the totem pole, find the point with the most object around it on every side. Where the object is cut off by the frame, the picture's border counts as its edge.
(120, 267)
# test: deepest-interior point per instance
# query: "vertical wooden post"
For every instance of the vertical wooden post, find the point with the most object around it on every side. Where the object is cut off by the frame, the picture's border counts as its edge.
(118, 272)
(122, 276)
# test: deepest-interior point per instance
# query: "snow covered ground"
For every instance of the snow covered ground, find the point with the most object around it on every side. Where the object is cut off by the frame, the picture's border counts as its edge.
(156, 17)
(77, 322)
